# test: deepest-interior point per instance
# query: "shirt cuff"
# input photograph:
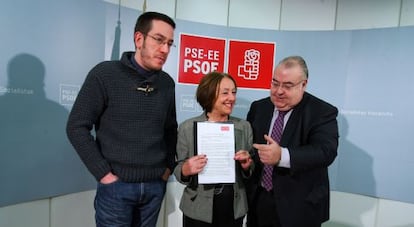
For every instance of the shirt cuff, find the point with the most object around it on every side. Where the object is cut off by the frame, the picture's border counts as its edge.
(284, 159)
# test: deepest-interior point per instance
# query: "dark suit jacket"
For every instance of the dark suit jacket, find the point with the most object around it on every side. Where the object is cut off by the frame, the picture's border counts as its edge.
(311, 135)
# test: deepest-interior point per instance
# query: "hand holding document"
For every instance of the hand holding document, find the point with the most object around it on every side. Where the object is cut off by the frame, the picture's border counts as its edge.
(194, 165)
(216, 141)
(244, 158)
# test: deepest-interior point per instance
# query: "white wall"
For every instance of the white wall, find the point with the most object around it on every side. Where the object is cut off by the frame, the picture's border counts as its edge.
(347, 210)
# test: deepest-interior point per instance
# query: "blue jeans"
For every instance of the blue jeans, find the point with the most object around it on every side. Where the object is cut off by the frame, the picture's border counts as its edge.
(122, 204)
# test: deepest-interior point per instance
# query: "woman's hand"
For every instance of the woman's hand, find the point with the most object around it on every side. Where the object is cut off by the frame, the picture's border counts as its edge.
(194, 165)
(244, 158)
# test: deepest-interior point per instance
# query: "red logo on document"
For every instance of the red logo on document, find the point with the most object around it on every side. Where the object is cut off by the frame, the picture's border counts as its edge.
(225, 128)
(251, 63)
(199, 56)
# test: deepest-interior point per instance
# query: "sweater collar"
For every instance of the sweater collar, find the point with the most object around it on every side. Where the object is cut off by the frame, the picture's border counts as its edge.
(140, 69)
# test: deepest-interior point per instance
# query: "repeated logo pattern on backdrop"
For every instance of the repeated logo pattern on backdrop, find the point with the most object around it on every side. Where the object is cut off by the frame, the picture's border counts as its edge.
(199, 56)
(250, 63)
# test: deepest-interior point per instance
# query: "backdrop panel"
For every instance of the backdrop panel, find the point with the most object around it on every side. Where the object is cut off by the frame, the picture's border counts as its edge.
(48, 47)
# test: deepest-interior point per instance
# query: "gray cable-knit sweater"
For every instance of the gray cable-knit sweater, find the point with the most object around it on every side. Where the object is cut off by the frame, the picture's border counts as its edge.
(135, 129)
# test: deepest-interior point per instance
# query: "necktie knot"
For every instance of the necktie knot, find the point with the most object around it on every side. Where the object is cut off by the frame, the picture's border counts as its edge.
(282, 113)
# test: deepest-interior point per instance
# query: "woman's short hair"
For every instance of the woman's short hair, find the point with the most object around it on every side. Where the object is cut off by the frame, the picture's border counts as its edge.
(207, 90)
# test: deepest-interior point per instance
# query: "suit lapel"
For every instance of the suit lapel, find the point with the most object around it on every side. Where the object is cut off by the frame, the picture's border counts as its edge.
(267, 111)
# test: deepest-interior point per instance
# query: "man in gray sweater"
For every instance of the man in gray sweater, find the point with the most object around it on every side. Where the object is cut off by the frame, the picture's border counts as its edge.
(130, 104)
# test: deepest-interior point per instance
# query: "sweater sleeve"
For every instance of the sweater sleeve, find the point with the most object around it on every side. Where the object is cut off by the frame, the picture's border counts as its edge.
(171, 134)
(85, 114)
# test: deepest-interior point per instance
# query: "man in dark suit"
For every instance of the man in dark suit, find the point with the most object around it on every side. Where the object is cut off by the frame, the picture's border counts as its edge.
(299, 196)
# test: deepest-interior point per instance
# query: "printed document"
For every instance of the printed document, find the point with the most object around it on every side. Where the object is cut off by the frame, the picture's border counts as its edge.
(216, 141)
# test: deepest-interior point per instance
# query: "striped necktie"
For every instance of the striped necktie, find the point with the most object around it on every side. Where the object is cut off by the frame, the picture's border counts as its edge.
(276, 135)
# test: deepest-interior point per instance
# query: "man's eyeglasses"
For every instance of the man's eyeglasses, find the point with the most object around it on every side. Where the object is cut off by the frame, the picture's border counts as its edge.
(161, 40)
(287, 86)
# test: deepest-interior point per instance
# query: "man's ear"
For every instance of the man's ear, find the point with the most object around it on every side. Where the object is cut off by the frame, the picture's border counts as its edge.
(305, 82)
(138, 39)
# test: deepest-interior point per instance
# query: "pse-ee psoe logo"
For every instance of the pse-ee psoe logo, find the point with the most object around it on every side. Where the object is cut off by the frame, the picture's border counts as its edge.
(199, 55)
(251, 63)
